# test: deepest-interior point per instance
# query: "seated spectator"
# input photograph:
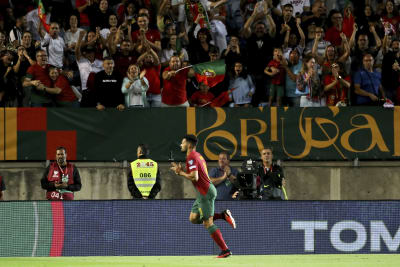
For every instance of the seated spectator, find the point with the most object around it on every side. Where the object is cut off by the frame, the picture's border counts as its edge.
(108, 84)
(309, 85)
(174, 91)
(203, 97)
(276, 71)
(224, 178)
(241, 86)
(336, 86)
(150, 62)
(367, 83)
(292, 68)
(66, 98)
(134, 87)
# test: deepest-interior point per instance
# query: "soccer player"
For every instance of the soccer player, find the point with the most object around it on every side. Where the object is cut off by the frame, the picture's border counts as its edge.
(203, 207)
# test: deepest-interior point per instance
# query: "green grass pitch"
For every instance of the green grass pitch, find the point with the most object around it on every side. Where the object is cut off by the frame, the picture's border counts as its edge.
(361, 260)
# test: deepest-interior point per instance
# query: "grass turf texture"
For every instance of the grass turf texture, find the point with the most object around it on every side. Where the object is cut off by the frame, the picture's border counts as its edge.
(362, 260)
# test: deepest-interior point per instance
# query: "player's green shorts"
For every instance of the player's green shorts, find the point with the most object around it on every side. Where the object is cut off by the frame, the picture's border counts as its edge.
(204, 204)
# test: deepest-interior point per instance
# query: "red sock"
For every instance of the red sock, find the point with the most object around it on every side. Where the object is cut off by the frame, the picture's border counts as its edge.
(217, 236)
(218, 216)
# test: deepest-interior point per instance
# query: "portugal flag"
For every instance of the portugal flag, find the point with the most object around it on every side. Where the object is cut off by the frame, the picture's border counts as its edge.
(42, 16)
(210, 73)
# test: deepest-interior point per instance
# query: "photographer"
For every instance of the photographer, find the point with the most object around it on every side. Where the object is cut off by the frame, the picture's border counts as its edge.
(270, 180)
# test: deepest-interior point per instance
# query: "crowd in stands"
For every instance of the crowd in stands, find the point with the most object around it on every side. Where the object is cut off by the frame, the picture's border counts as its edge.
(137, 53)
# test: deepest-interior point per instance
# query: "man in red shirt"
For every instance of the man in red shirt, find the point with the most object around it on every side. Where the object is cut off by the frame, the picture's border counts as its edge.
(66, 98)
(203, 207)
(38, 82)
(150, 62)
(333, 33)
(277, 73)
(174, 92)
(145, 36)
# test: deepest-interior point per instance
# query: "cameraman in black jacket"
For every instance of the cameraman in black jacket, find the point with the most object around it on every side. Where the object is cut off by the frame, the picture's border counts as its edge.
(271, 180)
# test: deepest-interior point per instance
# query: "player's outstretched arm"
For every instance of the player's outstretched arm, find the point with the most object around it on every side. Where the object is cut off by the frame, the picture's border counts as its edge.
(177, 168)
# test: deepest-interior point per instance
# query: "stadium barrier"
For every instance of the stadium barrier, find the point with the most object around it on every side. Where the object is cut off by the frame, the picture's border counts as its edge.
(328, 133)
(161, 227)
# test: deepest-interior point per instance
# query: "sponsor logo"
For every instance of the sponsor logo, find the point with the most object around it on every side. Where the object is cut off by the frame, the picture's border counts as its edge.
(377, 232)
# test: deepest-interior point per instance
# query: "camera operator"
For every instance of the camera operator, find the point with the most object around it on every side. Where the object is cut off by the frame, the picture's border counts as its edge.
(271, 179)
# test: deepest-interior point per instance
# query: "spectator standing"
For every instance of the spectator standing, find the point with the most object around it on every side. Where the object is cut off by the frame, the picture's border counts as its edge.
(276, 71)
(336, 86)
(17, 31)
(8, 82)
(367, 83)
(66, 97)
(174, 92)
(332, 34)
(203, 97)
(292, 68)
(150, 62)
(145, 36)
(241, 86)
(134, 87)
(224, 177)
(61, 178)
(38, 82)
(54, 45)
(108, 84)
(260, 44)
(309, 85)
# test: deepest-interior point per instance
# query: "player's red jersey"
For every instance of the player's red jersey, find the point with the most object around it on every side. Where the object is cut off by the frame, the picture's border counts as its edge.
(196, 162)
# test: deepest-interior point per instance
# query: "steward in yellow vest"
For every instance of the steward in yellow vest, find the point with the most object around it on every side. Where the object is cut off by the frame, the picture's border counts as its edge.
(144, 176)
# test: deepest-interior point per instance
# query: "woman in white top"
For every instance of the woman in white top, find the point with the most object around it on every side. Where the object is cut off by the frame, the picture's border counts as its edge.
(135, 86)
(71, 36)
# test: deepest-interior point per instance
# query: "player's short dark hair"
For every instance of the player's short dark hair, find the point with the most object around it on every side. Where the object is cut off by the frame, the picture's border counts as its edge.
(192, 139)
(61, 148)
(108, 58)
(145, 149)
(267, 147)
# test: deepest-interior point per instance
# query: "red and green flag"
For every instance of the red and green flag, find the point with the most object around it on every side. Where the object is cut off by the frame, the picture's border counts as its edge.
(42, 16)
(210, 73)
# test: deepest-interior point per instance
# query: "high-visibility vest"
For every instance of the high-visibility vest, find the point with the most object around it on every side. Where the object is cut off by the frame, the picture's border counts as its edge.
(144, 173)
